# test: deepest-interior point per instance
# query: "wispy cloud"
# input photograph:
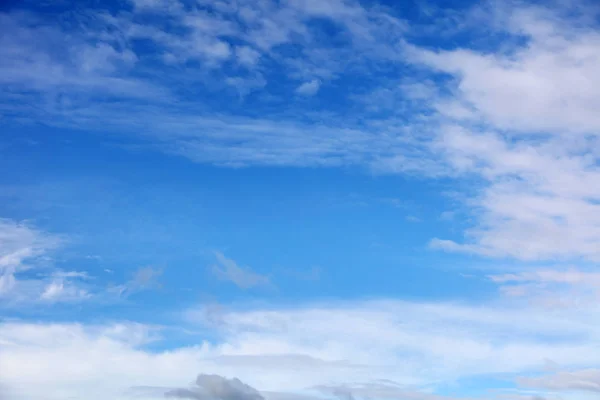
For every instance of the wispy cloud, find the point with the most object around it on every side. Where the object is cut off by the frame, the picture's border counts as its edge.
(29, 276)
(552, 287)
(243, 277)
(59, 290)
(530, 143)
(21, 244)
(144, 278)
(24, 248)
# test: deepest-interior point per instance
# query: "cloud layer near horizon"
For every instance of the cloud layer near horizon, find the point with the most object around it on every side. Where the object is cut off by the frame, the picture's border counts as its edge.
(293, 350)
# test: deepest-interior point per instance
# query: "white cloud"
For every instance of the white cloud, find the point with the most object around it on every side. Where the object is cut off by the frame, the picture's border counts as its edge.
(20, 243)
(61, 290)
(552, 287)
(521, 121)
(22, 247)
(309, 88)
(547, 85)
(84, 61)
(7, 281)
(570, 276)
(42, 58)
(352, 345)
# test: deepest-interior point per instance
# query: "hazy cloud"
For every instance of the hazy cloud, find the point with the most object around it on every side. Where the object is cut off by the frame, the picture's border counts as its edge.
(309, 88)
(587, 380)
(144, 278)
(243, 277)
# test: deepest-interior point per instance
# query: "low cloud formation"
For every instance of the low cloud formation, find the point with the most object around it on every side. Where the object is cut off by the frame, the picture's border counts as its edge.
(216, 387)
(379, 390)
(587, 380)
(447, 343)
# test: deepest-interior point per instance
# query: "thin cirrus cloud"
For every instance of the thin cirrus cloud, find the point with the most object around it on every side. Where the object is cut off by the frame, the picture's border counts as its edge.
(22, 248)
(552, 287)
(25, 249)
(532, 184)
(243, 277)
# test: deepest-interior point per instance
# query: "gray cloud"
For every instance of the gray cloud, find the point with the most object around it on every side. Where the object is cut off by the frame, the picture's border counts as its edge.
(587, 380)
(186, 394)
(215, 387)
(378, 390)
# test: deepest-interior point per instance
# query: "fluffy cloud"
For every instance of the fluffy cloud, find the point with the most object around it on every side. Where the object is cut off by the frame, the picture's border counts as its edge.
(547, 85)
(309, 88)
(312, 347)
(521, 121)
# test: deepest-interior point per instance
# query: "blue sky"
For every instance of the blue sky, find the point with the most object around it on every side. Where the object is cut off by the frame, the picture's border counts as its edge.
(299, 200)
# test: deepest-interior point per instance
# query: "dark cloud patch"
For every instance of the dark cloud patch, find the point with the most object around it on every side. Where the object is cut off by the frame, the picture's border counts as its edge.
(216, 387)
